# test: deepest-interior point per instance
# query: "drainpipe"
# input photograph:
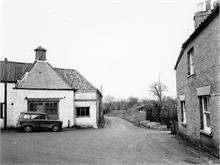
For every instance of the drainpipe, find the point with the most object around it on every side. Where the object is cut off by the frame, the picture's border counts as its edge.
(5, 98)
(74, 108)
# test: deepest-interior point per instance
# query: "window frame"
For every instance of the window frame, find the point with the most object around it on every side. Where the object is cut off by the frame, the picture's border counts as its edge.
(205, 110)
(183, 111)
(83, 109)
(44, 102)
(190, 62)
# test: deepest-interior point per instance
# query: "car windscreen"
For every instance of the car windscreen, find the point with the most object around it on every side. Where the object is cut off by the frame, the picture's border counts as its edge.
(21, 116)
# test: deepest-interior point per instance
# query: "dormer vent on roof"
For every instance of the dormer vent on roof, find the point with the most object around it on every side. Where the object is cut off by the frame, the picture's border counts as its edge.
(40, 54)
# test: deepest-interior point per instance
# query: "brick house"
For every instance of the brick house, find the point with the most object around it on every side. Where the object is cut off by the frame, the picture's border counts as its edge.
(63, 94)
(198, 81)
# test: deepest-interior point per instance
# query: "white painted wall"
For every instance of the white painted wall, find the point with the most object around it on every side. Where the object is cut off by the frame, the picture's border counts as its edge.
(17, 103)
(87, 121)
(85, 95)
(65, 104)
(10, 98)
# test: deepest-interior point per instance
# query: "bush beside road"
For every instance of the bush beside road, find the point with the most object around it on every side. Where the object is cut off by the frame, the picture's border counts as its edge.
(138, 118)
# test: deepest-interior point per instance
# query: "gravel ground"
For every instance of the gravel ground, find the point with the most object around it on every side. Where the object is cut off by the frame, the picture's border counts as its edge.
(119, 143)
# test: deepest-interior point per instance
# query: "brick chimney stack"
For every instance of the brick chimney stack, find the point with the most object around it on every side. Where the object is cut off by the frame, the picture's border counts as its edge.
(201, 14)
(40, 54)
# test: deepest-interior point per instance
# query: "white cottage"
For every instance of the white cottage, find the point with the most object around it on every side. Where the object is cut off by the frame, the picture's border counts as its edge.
(63, 94)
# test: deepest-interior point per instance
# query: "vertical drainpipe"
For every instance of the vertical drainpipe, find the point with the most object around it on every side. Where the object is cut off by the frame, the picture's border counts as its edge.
(74, 107)
(5, 98)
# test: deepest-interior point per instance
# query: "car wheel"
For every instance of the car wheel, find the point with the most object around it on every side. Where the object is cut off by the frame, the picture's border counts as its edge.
(27, 128)
(55, 128)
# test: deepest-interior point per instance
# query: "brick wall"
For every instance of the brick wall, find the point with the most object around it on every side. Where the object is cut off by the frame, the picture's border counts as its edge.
(207, 72)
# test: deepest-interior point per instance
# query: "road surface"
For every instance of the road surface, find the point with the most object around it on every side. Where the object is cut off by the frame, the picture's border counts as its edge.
(119, 143)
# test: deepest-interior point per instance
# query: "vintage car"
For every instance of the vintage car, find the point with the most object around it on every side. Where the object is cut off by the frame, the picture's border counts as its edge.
(29, 121)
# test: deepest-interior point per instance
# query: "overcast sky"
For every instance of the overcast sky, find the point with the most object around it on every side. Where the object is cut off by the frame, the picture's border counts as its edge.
(122, 45)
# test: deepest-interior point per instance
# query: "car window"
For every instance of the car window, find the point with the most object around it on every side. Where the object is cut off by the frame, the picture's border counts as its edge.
(42, 117)
(35, 116)
(26, 116)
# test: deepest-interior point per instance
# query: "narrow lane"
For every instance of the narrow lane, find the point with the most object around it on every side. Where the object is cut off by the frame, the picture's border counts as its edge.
(119, 143)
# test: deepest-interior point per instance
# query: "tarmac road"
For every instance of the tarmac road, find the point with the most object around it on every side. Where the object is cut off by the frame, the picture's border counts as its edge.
(119, 143)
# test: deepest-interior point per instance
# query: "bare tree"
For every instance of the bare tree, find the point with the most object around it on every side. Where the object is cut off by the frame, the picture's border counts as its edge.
(158, 89)
(108, 99)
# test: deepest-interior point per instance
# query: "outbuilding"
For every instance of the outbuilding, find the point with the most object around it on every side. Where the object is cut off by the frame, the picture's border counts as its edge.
(63, 94)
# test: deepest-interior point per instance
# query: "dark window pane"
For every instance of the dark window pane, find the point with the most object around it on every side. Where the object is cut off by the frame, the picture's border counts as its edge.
(205, 104)
(51, 108)
(42, 117)
(87, 111)
(55, 105)
(208, 120)
(47, 106)
(31, 106)
(77, 111)
(1, 110)
(83, 112)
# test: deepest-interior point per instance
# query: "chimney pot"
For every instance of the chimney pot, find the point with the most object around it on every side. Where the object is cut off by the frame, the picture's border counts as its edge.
(216, 3)
(201, 13)
(40, 54)
(208, 5)
(199, 7)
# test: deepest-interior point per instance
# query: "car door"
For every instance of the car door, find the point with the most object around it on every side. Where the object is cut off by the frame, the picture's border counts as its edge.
(44, 122)
(35, 120)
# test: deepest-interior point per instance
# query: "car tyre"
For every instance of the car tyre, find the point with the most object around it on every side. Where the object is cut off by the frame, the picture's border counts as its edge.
(28, 128)
(55, 128)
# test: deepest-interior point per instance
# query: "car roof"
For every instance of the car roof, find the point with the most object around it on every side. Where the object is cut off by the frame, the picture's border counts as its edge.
(39, 113)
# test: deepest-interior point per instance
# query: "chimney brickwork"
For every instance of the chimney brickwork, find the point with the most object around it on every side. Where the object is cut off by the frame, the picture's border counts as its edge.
(200, 16)
(40, 54)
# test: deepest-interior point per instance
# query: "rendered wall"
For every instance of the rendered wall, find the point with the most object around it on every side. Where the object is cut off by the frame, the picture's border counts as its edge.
(17, 103)
(86, 99)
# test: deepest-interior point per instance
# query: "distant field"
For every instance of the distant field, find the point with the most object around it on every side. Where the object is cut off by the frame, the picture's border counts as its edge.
(133, 116)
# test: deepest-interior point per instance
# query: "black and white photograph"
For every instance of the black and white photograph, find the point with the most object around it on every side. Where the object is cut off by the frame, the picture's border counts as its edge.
(109, 82)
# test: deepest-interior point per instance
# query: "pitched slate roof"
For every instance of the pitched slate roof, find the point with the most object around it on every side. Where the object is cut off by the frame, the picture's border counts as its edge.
(72, 77)
(42, 76)
(202, 26)
(15, 70)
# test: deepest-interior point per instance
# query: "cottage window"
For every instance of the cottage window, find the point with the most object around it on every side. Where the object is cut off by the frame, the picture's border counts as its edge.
(51, 108)
(47, 106)
(183, 112)
(190, 62)
(82, 111)
(205, 113)
(36, 106)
